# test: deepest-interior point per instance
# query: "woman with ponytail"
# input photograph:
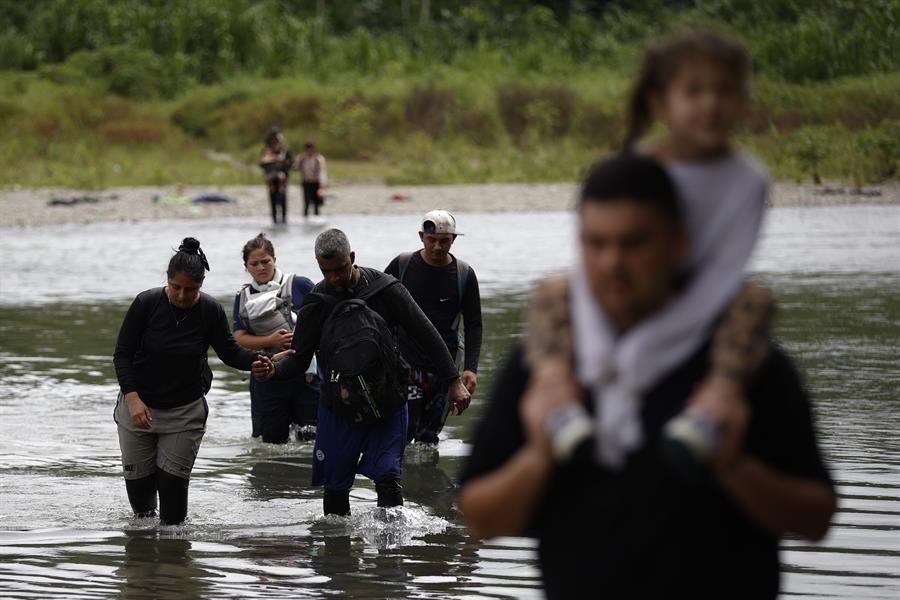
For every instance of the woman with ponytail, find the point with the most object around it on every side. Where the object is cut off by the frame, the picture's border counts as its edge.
(163, 375)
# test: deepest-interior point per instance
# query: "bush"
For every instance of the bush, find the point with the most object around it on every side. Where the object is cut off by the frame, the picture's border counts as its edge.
(16, 52)
(427, 109)
(544, 111)
(347, 131)
(809, 148)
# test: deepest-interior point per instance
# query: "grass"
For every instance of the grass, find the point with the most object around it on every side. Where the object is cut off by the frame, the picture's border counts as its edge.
(481, 117)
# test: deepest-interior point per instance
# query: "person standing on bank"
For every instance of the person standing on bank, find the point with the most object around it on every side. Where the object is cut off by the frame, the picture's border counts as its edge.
(163, 374)
(636, 527)
(276, 161)
(264, 318)
(348, 320)
(446, 289)
(314, 177)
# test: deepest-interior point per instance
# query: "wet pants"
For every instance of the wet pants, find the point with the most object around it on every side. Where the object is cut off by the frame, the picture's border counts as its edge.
(159, 460)
(274, 405)
(428, 406)
(375, 451)
(311, 197)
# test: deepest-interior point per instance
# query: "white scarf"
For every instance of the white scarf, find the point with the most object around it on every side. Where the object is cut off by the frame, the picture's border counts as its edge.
(274, 284)
(724, 204)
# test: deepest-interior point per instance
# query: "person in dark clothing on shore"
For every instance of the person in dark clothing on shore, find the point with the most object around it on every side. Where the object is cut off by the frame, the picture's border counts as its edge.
(341, 437)
(163, 375)
(640, 527)
(446, 289)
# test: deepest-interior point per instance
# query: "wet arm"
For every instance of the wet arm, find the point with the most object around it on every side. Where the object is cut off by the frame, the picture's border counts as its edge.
(781, 503)
(507, 471)
(408, 315)
(127, 344)
(253, 342)
(305, 343)
(780, 479)
(225, 346)
(504, 501)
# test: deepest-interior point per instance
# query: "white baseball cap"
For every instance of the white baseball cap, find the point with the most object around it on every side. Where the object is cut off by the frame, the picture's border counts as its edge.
(439, 221)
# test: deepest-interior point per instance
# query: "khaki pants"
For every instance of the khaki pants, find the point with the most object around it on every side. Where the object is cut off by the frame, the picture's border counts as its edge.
(171, 443)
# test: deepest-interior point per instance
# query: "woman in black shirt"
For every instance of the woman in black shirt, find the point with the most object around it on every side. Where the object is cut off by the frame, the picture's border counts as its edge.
(163, 375)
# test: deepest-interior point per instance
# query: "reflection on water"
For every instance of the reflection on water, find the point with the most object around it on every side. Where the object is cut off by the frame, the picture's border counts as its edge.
(255, 528)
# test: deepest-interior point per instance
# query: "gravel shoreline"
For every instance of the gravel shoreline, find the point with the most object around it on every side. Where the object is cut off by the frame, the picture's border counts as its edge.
(31, 208)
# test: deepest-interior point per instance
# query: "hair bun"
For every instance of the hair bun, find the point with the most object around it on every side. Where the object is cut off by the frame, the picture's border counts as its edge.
(189, 244)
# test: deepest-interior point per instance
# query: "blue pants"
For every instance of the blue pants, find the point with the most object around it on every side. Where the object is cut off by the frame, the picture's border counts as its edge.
(336, 458)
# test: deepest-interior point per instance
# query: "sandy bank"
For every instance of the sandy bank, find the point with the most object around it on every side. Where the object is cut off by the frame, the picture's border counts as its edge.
(30, 207)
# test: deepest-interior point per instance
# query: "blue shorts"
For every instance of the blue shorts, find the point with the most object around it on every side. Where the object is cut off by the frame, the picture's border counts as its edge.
(336, 456)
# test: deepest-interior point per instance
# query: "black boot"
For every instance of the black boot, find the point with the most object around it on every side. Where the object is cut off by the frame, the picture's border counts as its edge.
(142, 495)
(390, 492)
(173, 498)
(337, 502)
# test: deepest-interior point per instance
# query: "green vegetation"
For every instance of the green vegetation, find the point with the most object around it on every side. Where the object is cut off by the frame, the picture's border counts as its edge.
(98, 93)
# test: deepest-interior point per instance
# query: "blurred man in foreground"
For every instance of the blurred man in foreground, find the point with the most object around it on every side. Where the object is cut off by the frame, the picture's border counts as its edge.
(639, 528)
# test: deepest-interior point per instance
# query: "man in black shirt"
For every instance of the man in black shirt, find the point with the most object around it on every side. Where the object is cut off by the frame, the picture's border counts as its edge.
(339, 444)
(446, 289)
(642, 529)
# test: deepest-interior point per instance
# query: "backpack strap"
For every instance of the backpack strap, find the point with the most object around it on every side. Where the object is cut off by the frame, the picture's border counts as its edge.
(462, 276)
(287, 297)
(376, 286)
(242, 306)
(367, 294)
(403, 264)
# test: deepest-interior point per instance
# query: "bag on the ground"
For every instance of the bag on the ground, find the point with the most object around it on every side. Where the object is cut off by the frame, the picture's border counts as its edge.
(365, 377)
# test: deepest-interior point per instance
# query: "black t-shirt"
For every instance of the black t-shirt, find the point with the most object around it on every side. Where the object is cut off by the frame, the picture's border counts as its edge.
(436, 291)
(645, 532)
(161, 350)
(395, 306)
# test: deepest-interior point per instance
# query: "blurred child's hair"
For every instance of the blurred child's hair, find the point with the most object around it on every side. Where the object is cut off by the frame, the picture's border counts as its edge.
(661, 64)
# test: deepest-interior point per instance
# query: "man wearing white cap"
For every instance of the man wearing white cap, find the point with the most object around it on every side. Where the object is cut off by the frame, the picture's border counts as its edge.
(446, 289)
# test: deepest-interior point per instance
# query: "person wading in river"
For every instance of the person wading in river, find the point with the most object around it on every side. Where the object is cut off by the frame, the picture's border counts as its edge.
(264, 317)
(163, 375)
(446, 289)
(626, 521)
(348, 321)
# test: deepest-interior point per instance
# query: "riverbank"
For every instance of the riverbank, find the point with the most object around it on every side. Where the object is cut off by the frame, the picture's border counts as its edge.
(54, 206)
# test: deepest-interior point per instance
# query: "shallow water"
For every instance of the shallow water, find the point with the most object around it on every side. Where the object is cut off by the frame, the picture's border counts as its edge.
(254, 527)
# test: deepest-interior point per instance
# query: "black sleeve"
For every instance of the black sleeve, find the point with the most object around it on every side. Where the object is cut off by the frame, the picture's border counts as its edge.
(306, 339)
(232, 354)
(415, 324)
(499, 433)
(471, 311)
(394, 267)
(781, 432)
(129, 342)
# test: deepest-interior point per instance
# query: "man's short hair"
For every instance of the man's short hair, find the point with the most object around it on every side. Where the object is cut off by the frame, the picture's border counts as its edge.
(634, 178)
(332, 243)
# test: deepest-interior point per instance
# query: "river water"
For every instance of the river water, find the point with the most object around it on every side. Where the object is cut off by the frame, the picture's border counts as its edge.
(254, 528)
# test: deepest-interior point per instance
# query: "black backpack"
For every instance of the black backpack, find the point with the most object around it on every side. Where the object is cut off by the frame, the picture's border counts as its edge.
(365, 377)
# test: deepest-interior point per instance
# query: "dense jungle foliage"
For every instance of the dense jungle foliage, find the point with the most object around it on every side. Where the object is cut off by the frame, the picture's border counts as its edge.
(97, 92)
